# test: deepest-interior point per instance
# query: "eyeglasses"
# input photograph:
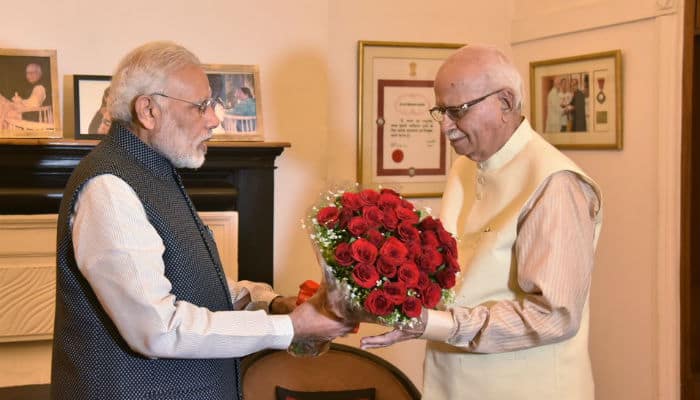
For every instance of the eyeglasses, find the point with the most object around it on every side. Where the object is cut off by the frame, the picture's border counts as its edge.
(211, 102)
(455, 113)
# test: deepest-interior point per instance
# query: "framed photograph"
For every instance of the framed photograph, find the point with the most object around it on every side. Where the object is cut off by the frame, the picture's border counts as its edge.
(576, 102)
(398, 144)
(92, 120)
(238, 86)
(29, 94)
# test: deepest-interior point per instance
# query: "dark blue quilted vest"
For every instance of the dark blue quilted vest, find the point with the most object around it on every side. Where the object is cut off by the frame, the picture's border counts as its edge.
(90, 358)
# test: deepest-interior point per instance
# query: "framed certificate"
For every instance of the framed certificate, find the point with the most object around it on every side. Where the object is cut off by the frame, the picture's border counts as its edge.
(398, 144)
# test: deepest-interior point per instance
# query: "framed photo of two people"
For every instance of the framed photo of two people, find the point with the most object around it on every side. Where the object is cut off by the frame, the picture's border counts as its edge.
(29, 94)
(576, 102)
(399, 145)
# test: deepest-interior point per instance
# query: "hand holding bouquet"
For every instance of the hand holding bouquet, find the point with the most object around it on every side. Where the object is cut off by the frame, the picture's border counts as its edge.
(383, 261)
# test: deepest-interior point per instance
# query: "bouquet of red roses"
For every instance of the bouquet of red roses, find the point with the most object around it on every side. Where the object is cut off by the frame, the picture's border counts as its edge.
(383, 260)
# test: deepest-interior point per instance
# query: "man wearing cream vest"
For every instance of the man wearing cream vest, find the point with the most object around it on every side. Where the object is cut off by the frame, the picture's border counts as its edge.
(527, 220)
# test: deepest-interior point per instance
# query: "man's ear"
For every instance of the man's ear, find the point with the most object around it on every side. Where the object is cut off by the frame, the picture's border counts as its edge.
(507, 100)
(146, 112)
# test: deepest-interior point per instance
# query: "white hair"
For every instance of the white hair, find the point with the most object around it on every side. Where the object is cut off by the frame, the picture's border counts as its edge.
(145, 70)
(502, 73)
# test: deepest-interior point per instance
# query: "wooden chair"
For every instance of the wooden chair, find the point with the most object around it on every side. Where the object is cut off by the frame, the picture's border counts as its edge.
(341, 368)
(44, 123)
(239, 123)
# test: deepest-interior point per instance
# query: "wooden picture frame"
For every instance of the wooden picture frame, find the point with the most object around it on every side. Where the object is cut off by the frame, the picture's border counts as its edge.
(29, 105)
(238, 86)
(399, 145)
(92, 119)
(585, 93)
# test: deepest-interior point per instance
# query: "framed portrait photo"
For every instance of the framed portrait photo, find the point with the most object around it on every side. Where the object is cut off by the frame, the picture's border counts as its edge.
(238, 87)
(29, 94)
(92, 120)
(399, 145)
(576, 102)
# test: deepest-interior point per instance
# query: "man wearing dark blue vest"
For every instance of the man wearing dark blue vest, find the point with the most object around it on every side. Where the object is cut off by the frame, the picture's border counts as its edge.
(143, 309)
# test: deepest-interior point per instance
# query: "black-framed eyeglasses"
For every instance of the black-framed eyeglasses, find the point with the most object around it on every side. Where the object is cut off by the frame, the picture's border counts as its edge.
(455, 113)
(202, 106)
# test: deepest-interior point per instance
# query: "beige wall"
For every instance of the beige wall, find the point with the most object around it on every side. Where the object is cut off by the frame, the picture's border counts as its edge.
(307, 51)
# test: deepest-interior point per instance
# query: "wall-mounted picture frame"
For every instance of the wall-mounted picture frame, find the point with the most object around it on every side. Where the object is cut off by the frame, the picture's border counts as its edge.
(92, 120)
(29, 105)
(238, 87)
(576, 102)
(399, 145)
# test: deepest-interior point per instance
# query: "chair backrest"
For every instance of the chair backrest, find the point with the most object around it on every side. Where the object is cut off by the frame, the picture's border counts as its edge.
(341, 368)
(239, 123)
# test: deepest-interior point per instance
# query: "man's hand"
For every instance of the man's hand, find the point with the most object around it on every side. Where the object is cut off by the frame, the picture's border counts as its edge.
(283, 305)
(388, 338)
(312, 319)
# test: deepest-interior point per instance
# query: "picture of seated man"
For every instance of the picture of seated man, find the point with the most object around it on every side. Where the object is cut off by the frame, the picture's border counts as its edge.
(13, 109)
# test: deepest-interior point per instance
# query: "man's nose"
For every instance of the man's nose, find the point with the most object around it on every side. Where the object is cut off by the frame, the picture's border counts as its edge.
(446, 124)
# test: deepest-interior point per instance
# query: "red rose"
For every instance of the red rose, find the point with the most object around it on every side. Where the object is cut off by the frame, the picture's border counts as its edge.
(429, 224)
(395, 291)
(378, 303)
(327, 216)
(385, 269)
(344, 218)
(414, 250)
(409, 274)
(343, 254)
(445, 278)
(411, 307)
(407, 204)
(430, 296)
(429, 238)
(389, 191)
(351, 201)
(357, 226)
(448, 241)
(429, 259)
(451, 263)
(363, 251)
(407, 215)
(388, 200)
(369, 197)
(373, 215)
(365, 275)
(393, 252)
(375, 237)
(408, 232)
(423, 281)
(390, 219)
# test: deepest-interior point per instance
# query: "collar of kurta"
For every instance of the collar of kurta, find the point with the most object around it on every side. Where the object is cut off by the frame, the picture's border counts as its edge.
(513, 146)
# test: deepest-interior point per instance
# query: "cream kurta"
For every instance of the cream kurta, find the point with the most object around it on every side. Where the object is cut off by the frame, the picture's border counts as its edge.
(485, 203)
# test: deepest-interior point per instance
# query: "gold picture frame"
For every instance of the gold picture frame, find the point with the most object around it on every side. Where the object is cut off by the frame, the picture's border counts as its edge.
(398, 144)
(585, 93)
(29, 105)
(238, 86)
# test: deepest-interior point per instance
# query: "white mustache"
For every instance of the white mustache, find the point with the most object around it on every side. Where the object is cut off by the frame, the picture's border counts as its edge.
(454, 134)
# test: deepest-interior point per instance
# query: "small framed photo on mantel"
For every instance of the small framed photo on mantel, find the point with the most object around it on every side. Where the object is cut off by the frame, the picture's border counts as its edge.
(238, 87)
(92, 120)
(29, 94)
(576, 102)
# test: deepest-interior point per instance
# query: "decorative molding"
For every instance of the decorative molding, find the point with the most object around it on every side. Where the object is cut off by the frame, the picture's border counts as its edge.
(28, 270)
(669, 86)
(27, 276)
(224, 227)
(575, 17)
